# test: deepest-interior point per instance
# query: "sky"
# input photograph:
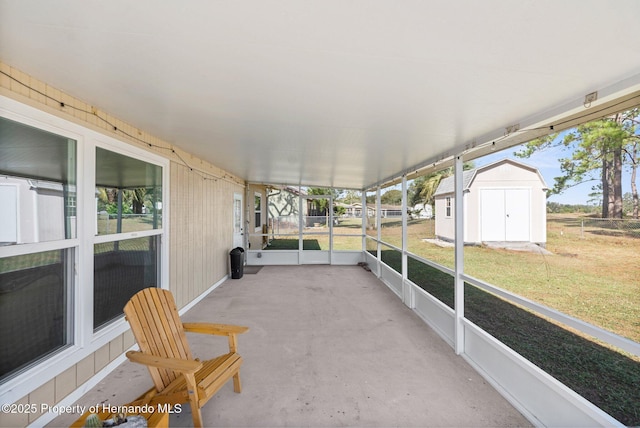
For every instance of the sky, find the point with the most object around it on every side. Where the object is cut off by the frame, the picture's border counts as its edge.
(547, 163)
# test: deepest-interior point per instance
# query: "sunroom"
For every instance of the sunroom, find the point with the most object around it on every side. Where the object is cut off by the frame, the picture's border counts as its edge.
(140, 143)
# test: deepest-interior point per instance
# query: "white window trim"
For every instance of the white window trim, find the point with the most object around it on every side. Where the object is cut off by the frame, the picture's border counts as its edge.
(85, 341)
(118, 326)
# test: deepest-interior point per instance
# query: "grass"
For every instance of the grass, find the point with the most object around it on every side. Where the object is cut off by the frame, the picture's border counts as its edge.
(45, 258)
(130, 223)
(592, 274)
(593, 278)
(29, 261)
(602, 375)
(293, 243)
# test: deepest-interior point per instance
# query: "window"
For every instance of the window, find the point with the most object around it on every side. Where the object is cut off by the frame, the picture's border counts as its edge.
(37, 176)
(37, 207)
(128, 194)
(128, 199)
(448, 207)
(70, 194)
(257, 205)
(34, 307)
(121, 269)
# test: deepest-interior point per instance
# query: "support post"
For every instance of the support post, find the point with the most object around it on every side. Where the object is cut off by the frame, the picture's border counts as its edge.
(116, 244)
(459, 255)
(302, 203)
(365, 220)
(406, 288)
(378, 230)
(119, 219)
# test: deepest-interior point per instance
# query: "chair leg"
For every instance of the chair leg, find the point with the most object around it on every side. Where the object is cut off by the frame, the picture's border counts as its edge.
(237, 387)
(197, 416)
(193, 399)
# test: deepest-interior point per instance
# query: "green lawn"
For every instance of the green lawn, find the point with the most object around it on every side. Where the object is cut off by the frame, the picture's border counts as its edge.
(607, 378)
(130, 223)
(594, 278)
(591, 275)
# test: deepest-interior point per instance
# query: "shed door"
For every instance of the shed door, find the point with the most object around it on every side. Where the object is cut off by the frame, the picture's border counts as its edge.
(517, 215)
(505, 215)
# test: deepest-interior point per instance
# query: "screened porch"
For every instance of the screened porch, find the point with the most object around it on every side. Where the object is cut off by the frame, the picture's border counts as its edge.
(141, 143)
(327, 346)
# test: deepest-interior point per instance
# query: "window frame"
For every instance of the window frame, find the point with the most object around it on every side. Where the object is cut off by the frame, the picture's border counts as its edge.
(83, 340)
(117, 149)
(17, 112)
(119, 324)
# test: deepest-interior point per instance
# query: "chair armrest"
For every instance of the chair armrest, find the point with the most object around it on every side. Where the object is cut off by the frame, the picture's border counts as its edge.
(176, 364)
(217, 329)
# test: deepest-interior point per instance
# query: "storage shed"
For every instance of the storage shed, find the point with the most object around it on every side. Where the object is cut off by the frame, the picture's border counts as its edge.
(504, 201)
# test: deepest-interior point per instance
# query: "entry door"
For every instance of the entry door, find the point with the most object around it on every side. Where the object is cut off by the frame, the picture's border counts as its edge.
(238, 224)
(505, 215)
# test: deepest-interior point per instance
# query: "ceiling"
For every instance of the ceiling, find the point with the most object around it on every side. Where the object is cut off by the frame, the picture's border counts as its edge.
(328, 92)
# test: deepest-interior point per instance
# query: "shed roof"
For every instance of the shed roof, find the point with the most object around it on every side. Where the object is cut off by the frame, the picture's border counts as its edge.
(447, 185)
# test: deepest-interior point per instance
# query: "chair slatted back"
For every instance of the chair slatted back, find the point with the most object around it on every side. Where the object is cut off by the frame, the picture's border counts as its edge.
(154, 320)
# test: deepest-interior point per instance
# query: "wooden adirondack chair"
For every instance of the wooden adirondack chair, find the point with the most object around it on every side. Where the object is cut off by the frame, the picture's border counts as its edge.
(178, 377)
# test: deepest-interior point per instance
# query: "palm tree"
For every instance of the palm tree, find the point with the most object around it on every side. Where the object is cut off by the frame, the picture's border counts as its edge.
(424, 188)
(138, 197)
(431, 183)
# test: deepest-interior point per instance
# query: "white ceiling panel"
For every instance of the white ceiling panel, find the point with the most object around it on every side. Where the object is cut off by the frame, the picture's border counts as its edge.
(332, 93)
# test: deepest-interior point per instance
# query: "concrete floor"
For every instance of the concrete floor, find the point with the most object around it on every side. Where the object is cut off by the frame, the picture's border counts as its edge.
(328, 346)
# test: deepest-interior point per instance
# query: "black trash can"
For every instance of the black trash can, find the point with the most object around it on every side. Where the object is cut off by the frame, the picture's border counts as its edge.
(237, 262)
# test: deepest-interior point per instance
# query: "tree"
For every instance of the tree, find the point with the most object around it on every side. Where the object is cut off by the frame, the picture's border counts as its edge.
(631, 149)
(351, 196)
(323, 191)
(628, 203)
(320, 206)
(282, 203)
(138, 197)
(133, 200)
(599, 151)
(423, 188)
(391, 197)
